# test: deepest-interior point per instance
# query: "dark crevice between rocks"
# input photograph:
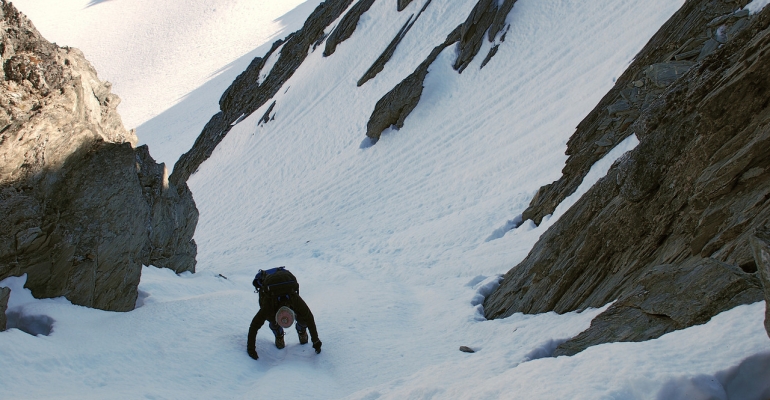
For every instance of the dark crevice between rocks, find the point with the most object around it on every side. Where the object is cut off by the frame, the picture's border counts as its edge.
(245, 95)
(347, 26)
(393, 108)
(379, 63)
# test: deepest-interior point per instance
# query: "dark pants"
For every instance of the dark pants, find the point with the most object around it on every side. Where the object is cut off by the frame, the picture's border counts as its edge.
(278, 331)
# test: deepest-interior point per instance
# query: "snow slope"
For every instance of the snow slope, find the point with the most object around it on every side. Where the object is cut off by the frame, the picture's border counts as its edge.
(394, 245)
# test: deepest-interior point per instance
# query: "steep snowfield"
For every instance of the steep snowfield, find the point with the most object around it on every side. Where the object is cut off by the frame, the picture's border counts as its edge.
(169, 61)
(394, 245)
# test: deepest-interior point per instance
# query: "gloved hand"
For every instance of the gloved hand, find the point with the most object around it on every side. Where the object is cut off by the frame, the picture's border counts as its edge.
(317, 345)
(253, 353)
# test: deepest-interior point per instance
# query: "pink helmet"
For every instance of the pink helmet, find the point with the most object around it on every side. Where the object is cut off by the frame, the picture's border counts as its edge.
(285, 317)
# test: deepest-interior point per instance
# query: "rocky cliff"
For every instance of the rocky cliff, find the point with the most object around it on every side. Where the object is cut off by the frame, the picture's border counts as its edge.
(666, 234)
(81, 209)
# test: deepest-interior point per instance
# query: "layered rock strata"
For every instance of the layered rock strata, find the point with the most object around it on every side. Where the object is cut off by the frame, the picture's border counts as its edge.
(665, 235)
(81, 209)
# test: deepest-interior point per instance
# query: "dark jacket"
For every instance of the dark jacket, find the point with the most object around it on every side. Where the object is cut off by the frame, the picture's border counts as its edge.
(267, 309)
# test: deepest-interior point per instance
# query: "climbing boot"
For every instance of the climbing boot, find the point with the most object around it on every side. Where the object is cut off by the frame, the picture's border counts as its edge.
(302, 337)
(279, 342)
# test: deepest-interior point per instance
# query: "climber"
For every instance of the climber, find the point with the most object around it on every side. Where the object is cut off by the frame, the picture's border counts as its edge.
(280, 303)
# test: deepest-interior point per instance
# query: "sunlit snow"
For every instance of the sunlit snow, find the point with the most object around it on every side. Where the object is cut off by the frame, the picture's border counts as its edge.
(394, 245)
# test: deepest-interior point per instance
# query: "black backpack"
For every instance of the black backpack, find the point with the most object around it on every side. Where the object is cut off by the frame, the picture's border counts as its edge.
(276, 283)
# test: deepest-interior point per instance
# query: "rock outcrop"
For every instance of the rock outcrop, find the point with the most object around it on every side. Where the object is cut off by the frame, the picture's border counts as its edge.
(689, 36)
(347, 26)
(486, 19)
(248, 93)
(402, 4)
(393, 108)
(5, 294)
(81, 209)
(665, 235)
(760, 243)
(379, 63)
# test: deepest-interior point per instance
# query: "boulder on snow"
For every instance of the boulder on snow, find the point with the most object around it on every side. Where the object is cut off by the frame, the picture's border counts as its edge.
(5, 294)
(760, 243)
(80, 208)
(666, 232)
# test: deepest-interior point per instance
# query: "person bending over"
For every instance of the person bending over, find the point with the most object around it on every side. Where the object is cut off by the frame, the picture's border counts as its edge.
(281, 305)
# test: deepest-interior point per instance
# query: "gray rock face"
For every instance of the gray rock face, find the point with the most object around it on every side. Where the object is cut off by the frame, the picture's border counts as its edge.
(347, 26)
(666, 57)
(379, 63)
(402, 4)
(486, 18)
(80, 208)
(5, 294)
(245, 95)
(666, 232)
(760, 244)
(393, 108)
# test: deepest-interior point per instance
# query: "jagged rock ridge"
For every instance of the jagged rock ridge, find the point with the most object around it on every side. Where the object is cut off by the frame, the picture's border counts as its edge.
(689, 36)
(81, 209)
(666, 233)
(486, 19)
(347, 26)
(248, 93)
(379, 63)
